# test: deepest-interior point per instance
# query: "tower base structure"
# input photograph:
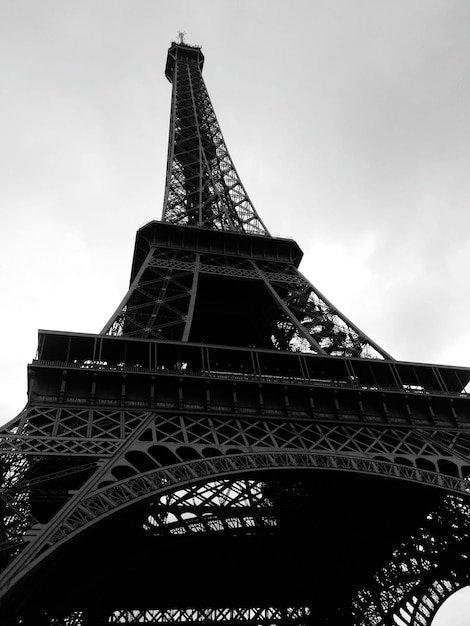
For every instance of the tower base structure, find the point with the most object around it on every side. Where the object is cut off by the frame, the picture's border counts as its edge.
(154, 480)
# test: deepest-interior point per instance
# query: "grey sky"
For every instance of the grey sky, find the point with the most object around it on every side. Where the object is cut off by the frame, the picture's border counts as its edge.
(347, 121)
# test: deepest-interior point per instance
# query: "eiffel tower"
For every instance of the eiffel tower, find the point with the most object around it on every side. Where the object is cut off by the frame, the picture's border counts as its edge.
(231, 447)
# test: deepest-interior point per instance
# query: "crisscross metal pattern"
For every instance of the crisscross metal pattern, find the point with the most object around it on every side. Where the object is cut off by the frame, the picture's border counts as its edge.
(179, 422)
(202, 186)
(160, 304)
(423, 572)
(257, 616)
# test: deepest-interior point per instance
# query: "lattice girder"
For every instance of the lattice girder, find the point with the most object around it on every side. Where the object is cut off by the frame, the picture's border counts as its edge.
(244, 446)
(112, 492)
(412, 600)
(423, 572)
(202, 186)
(174, 291)
(229, 418)
(257, 616)
(92, 509)
(146, 452)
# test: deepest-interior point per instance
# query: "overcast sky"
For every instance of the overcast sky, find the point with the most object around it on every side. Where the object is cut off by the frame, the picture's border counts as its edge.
(348, 122)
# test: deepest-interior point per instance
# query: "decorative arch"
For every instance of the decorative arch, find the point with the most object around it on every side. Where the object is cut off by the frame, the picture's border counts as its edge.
(121, 494)
(113, 497)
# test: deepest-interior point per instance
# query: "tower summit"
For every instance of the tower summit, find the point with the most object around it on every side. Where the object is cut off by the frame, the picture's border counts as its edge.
(231, 447)
(202, 186)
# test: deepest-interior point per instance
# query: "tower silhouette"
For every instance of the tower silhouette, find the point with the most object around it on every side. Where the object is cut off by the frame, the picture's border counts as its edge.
(230, 448)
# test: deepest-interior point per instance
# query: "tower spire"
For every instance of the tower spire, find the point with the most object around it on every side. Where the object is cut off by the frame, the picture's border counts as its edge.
(202, 185)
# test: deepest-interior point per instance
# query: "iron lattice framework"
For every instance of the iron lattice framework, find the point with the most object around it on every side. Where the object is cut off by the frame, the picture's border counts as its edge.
(202, 186)
(231, 448)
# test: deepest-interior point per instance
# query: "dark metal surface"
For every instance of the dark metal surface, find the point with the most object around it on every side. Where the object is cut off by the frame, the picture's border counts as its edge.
(231, 448)
(202, 186)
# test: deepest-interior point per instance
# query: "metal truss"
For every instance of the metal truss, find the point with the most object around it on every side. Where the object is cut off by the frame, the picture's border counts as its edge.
(254, 616)
(230, 506)
(161, 299)
(59, 431)
(14, 503)
(157, 303)
(407, 591)
(117, 458)
(158, 458)
(257, 616)
(202, 186)
(423, 572)
(203, 190)
(100, 433)
(420, 611)
(190, 404)
(114, 497)
(312, 323)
